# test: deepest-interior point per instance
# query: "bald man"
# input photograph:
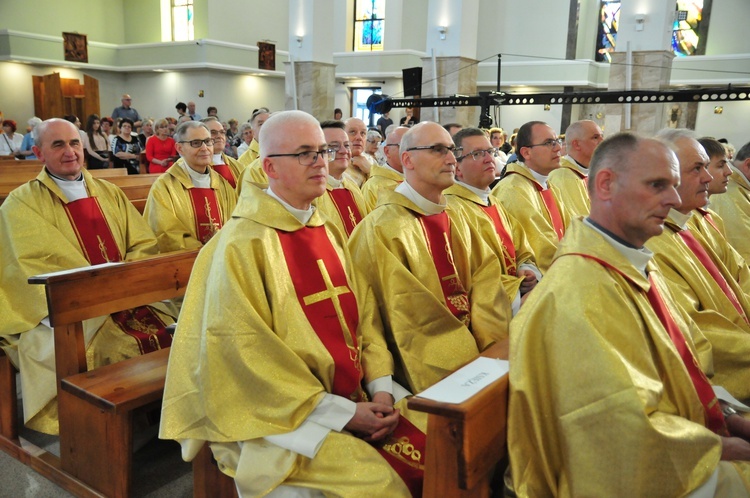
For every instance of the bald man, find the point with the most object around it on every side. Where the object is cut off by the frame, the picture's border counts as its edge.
(391, 174)
(228, 167)
(126, 111)
(275, 305)
(437, 282)
(361, 164)
(65, 219)
(581, 139)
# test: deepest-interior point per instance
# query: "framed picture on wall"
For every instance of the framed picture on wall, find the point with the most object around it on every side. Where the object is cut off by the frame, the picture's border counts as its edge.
(267, 56)
(76, 47)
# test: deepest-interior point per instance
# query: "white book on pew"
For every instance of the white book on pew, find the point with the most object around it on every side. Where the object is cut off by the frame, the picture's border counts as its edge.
(466, 381)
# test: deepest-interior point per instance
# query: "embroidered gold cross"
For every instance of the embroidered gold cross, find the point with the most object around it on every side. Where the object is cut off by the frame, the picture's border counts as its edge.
(103, 249)
(333, 294)
(212, 225)
(352, 218)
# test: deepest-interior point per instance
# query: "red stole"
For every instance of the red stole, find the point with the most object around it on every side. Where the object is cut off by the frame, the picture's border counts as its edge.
(206, 212)
(707, 216)
(348, 210)
(506, 242)
(553, 212)
(700, 252)
(437, 230)
(99, 246)
(226, 172)
(714, 417)
(331, 308)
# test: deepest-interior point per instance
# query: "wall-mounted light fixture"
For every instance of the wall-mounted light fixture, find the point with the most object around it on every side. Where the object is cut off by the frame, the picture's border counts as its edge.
(442, 30)
(547, 107)
(640, 21)
(299, 41)
(718, 109)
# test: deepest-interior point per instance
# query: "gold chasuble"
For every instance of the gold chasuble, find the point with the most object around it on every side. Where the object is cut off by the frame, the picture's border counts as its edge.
(380, 178)
(713, 300)
(291, 319)
(230, 169)
(541, 213)
(734, 209)
(252, 174)
(572, 186)
(707, 226)
(251, 154)
(640, 427)
(41, 232)
(344, 207)
(425, 271)
(183, 216)
(503, 234)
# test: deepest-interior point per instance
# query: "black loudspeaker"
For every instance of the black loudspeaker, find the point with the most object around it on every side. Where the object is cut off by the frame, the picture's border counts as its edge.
(412, 81)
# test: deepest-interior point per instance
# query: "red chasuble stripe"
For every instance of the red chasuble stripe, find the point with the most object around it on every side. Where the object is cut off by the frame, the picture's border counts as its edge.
(708, 263)
(344, 201)
(225, 172)
(509, 249)
(328, 302)
(548, 198)
(330, 306)
(707, 216)
(437, 229)
(99, 246)
(206, 212)
(714, 417)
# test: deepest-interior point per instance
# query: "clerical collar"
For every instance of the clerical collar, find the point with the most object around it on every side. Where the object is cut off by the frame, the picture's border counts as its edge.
(638, 257)
(334, 183)
(217, 159)
(425, 205)
(73, 189)
(303, 215)
(679, 218)
(482, 194)
(200, 180)
(388, 166)
(537, 176)
(580, 167)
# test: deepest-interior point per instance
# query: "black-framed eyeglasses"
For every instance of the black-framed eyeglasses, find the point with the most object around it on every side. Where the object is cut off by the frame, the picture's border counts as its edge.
(197, 144)
(439, 149)
(309, 157)
(392, 145)
(339, 147)
(218, 133)
(550, 144)
(479, 154)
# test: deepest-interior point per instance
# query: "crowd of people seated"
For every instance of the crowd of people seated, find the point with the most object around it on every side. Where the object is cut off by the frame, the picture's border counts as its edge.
(343, 269)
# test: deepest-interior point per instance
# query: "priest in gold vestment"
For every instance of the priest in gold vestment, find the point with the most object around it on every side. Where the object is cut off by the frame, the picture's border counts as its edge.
(470, 195)
(278, 337)
(606, 398)
(734, 206)
(189, 203)
(581, 139)
(43, 230)
(389, 175)
(700, 282)
(438, 284)
(228, 167)
(256, 123)
(525, 193)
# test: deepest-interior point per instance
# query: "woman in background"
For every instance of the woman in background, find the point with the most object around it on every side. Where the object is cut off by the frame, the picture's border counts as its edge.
(10, 141)
(96, 144)
(160, 149)
(126, 148)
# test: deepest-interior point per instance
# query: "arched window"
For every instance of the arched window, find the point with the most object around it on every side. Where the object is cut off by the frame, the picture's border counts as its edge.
(369, 20)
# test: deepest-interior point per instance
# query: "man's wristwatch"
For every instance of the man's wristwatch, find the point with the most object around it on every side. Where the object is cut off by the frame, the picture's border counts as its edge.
(728, 410)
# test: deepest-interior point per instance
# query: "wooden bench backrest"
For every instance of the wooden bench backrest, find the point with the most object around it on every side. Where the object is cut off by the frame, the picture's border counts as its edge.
(80, 294)
(465, 441)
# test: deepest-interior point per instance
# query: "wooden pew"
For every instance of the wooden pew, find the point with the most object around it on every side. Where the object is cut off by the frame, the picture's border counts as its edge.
(466, 441)
(101, 437)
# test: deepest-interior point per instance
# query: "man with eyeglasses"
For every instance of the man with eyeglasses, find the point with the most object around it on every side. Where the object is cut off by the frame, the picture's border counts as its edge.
(581, 139)
(388, 176)
(361, 164)
(438, 283)
(280, 344)
(470, 196)
(526, 195)
(64, 219)
(229, 168)
(342, 203)
(189, 203)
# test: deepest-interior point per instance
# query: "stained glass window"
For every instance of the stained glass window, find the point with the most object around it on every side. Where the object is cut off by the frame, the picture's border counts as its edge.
(685, 33)
(182, 20)
(609, 19)
(369, 19)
